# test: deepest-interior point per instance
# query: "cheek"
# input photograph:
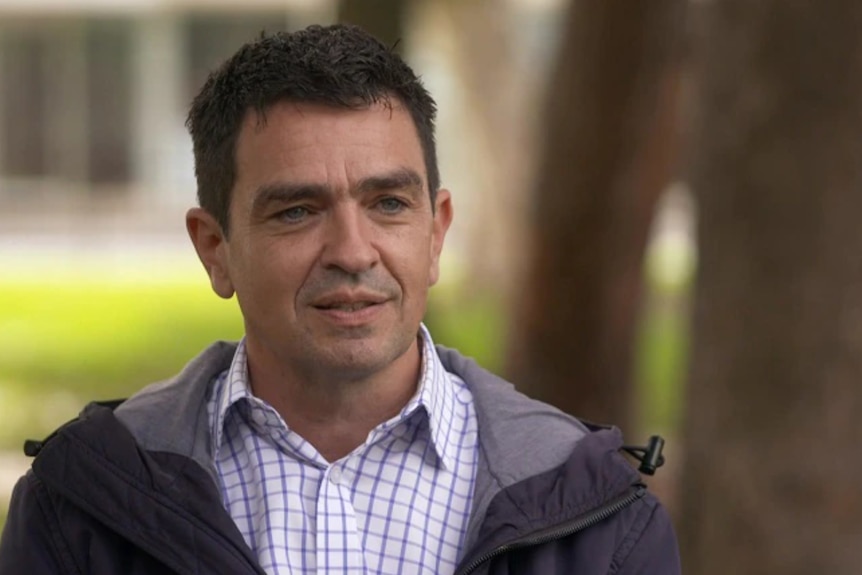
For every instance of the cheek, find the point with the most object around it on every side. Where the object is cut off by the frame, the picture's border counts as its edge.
(414, 268)
(296, 277)
(269, 274)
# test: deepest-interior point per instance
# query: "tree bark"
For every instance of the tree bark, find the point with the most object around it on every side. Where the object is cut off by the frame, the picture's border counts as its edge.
(771, 477)
(608, 153)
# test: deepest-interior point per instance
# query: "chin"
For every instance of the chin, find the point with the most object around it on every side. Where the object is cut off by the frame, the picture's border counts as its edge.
(360, 358)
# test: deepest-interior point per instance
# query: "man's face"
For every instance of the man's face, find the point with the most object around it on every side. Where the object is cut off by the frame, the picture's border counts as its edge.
(333, 241)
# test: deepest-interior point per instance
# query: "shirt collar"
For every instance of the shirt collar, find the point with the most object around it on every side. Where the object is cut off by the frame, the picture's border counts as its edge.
(435, 399)
(231, 386)
(436, 396)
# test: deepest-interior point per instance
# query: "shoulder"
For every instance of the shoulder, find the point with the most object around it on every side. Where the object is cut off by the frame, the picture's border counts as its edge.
(166, 416)
(541, 464)
(31, 537)
(650, 544)
(518, 435)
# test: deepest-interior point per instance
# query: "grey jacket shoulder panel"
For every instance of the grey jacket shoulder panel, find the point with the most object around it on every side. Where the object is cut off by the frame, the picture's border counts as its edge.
(519, 437)
(171, 416)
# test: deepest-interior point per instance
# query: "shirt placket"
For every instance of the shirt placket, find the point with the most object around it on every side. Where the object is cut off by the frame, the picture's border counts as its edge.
(339, 548)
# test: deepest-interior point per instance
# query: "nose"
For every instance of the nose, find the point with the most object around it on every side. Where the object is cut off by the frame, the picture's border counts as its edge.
(348, 243)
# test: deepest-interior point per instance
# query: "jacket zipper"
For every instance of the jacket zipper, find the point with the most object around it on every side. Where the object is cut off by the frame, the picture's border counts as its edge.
(558, 532)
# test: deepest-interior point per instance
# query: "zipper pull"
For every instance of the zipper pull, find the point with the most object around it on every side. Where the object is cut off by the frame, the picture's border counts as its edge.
(32, 447)
(650, 456)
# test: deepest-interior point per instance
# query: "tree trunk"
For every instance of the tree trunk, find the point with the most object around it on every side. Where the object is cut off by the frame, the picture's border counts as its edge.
(608, 154)
(771, 478)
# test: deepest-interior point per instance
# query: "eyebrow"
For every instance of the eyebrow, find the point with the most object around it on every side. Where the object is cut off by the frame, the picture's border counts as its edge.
(285, 193)
(400, 179)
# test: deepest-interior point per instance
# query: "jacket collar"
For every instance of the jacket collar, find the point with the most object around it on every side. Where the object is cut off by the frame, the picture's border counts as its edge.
(162, 415)
(161, 501)
(511, 425)
(551, 465)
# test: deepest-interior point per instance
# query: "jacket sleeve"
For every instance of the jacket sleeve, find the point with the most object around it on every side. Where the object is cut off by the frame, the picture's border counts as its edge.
(31, 542)
(654, 550)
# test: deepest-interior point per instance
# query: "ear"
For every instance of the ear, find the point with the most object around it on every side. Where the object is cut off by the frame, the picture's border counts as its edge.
(211, 245)
(442, 219)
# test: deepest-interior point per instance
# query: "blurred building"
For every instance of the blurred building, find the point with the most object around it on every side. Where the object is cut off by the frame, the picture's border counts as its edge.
(94, 155)
(93, 97)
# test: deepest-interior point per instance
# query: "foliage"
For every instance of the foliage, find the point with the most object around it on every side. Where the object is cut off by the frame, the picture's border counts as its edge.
(66, 344)
(474, 324)
(660, 366)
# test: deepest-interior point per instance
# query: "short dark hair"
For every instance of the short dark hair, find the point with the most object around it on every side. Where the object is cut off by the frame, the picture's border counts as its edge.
(339, 65)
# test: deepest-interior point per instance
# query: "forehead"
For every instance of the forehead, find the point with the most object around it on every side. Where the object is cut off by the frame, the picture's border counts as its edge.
(326, 144)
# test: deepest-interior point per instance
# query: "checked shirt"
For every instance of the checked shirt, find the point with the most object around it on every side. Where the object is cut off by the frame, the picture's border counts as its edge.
(399, 503)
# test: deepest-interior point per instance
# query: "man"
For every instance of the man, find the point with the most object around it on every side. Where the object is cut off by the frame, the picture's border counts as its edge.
(335, 437)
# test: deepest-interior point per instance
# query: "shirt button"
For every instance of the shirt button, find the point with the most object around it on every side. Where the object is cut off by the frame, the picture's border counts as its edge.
(259, 417)
(335, 475)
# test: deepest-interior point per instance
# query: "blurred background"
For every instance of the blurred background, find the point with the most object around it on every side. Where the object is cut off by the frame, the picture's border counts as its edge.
(657, 226)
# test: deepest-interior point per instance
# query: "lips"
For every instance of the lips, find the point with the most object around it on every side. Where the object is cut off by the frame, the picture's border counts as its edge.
(350, 310)
(348, 302)
(347, 306)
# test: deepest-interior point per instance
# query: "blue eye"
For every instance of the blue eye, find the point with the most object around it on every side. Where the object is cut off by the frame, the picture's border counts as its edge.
(391, 205)
(294, 214)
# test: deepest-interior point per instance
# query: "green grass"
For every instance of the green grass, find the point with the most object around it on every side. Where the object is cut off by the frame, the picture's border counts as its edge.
(473, 324)
(62, 344)
(660, 367)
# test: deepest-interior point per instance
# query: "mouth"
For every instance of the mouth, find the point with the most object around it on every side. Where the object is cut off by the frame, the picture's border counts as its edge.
(350, 312)
(347, 306)
(349, 303)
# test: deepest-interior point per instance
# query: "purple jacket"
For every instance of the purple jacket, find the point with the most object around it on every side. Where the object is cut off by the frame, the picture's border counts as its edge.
(132, 491)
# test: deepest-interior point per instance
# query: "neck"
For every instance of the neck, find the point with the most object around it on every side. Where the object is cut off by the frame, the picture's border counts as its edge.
(336, 414)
